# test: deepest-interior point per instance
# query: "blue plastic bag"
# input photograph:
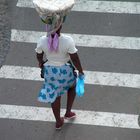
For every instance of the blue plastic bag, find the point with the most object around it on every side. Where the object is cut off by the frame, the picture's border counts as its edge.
(80, 86)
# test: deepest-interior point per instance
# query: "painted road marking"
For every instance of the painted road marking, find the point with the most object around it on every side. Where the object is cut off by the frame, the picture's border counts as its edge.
(83, 117)
(99, 41)
(96, 6)
(92, 77)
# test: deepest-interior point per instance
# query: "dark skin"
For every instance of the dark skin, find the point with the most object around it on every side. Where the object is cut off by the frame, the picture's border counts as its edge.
(71, 92)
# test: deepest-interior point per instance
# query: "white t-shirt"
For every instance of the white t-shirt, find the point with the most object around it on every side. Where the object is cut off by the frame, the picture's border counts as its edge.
(66, 47)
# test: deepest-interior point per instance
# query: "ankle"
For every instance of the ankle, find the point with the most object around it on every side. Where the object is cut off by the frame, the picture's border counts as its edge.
(68, 112)
(59, 123)
(58, 120)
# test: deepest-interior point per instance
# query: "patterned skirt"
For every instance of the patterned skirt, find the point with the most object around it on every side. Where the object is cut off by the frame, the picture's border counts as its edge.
(58, 80)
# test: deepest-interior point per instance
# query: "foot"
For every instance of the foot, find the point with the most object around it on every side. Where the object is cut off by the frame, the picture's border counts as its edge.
(70, 115)
(59, 124)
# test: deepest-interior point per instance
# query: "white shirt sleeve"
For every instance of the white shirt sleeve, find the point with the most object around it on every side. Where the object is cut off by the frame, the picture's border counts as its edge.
(39, 46)
(71, 46)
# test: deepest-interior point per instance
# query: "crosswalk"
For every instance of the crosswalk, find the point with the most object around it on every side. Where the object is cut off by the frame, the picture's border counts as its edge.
(99, 78)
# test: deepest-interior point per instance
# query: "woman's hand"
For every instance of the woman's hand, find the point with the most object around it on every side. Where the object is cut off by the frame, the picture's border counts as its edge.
(40, 64)
(81, 73)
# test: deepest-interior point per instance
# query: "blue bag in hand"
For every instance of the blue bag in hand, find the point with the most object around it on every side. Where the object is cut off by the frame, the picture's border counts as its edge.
(80, 86)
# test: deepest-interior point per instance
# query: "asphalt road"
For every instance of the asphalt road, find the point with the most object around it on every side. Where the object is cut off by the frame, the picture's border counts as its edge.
(97, 97)
(5, 31)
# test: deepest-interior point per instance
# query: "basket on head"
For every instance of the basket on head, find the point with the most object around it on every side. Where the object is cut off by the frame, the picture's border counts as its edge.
(53, 12)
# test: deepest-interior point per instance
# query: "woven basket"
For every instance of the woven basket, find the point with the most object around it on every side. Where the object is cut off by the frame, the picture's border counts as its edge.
(49, 8)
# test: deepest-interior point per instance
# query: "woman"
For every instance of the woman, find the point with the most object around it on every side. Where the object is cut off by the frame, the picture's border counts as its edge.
(59, 74)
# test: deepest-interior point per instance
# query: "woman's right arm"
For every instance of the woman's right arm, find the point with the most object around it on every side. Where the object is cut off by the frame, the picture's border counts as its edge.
(76, 61)
(39, 53)
(39, 57)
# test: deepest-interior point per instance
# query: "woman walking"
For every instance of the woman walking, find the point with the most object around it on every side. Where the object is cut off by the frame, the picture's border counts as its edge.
(59, 76)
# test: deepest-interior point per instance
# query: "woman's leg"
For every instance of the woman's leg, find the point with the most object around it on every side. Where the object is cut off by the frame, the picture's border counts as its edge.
(56, 109)
(70, 99)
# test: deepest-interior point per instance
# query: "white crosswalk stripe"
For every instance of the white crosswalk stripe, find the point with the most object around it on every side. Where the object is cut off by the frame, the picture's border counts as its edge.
(119, 120)
(91, 77)
(98, 41)
(96, 6)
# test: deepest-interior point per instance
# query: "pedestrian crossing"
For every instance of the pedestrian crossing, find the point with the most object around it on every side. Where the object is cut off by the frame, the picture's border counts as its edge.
(101, 78)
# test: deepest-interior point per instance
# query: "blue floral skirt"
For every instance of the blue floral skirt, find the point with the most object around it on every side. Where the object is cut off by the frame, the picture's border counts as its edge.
(58, 80)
